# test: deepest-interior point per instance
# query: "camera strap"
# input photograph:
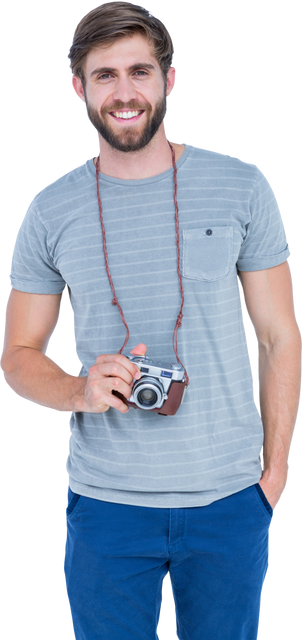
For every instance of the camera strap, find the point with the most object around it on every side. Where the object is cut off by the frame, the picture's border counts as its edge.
(115, 300)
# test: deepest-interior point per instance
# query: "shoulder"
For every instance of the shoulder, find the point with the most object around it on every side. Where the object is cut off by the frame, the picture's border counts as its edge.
(216, 159)
(223, 165)
(70, 184)
(74, 179)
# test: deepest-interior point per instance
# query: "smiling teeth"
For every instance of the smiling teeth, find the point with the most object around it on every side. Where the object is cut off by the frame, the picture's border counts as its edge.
(126, 114)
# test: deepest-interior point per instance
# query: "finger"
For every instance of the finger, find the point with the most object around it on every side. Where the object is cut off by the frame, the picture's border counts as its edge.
(117, 357)
(111, 369)
(139, 350)
(118, 403)
(109, 400)
(116, 384)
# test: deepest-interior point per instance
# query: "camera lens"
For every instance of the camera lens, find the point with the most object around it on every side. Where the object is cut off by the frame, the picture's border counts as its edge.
(148, 392)
(147, 397)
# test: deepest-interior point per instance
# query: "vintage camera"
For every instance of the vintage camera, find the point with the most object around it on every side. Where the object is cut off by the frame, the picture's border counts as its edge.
(161, 387)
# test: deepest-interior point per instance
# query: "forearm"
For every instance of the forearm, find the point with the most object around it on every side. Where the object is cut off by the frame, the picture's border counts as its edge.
(36, 377)
(279, 377)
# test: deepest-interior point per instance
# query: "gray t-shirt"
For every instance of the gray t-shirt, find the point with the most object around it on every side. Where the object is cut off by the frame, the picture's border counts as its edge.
(211, 447)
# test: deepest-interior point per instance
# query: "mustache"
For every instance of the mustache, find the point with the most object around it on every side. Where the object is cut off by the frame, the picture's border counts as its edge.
(132, 105)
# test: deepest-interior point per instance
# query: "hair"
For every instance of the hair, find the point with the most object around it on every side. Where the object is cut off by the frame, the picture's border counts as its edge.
(113, 20)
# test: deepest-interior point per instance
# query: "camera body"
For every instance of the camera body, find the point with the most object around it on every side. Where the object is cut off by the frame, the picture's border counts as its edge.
(161, 387)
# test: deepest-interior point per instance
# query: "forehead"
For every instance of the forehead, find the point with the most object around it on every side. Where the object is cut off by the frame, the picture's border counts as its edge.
(123, 53)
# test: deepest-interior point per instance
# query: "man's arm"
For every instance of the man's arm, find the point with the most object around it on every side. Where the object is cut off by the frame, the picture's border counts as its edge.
(28, 371)
(31, 319)
(269, 300)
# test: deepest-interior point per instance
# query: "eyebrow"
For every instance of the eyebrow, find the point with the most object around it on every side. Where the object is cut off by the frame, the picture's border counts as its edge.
(140, 65)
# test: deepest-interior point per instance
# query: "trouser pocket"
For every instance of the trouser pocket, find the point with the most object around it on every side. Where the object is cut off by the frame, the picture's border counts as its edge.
(73, 499)
(264, 499)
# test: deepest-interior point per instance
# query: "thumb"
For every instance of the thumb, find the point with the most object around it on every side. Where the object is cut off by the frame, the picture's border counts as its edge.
(139, 350)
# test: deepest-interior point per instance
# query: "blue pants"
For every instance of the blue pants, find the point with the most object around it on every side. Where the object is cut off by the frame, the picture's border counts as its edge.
(117, 556)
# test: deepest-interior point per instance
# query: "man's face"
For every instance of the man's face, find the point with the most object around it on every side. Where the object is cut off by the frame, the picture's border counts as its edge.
(125, 92)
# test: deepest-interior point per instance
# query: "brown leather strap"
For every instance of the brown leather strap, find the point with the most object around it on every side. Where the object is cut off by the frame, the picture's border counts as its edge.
(115, 300)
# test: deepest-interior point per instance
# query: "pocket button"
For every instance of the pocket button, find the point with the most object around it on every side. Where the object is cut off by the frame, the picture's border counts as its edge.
(209, 232)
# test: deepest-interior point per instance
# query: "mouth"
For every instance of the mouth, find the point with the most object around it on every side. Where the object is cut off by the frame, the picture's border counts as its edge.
(128, 116)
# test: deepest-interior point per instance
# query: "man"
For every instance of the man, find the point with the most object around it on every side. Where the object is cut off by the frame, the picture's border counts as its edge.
(183, 493)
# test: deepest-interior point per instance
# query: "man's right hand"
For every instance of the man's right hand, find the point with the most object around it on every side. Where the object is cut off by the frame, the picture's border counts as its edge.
(111, 372)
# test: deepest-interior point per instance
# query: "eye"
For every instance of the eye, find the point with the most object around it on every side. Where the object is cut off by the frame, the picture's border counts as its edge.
(104, 76)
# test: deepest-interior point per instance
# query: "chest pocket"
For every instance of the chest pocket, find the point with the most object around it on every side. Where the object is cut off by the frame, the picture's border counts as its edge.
(207, 253)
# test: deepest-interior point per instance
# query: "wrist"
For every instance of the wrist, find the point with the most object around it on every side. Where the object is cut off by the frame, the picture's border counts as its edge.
(274, 479)
(78, 401)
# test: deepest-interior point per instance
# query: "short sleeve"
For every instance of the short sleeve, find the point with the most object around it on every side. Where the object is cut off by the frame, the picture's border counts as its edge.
(264, 245)
(33, 270)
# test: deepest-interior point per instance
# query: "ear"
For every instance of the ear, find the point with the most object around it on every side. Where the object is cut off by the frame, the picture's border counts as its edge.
(170, 80)
(78, 87)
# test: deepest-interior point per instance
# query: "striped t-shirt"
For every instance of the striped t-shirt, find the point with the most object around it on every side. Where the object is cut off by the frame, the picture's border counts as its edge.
(211, 447)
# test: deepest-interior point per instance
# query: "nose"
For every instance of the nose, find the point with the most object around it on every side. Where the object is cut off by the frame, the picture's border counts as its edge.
(124, 90)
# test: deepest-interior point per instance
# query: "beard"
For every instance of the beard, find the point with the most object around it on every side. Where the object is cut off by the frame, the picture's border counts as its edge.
(129, 139)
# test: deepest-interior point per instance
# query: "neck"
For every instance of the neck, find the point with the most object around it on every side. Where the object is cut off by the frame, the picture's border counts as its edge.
(153, 159)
